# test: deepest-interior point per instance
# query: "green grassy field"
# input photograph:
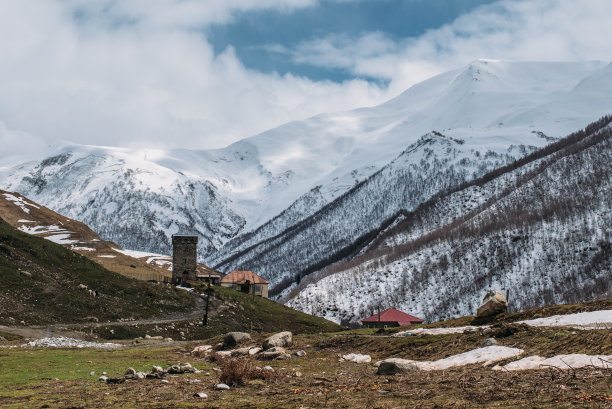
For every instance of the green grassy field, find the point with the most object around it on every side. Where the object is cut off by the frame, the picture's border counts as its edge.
(60, 378)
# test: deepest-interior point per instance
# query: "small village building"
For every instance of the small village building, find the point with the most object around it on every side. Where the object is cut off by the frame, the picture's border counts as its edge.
(208, 275)
(247, 282)
(390, 318)
(184, 258)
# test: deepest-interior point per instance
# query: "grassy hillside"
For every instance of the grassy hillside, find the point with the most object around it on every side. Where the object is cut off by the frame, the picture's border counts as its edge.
(39, 285)
(230, 310)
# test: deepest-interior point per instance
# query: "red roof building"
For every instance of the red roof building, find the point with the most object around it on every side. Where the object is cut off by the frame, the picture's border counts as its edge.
(247, 282)
(390, 318)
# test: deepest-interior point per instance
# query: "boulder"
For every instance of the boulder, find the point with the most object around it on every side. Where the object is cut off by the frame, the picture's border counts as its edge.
(222, 387)
(157, 369)
(130, 371)
(103, 378)
(489, 342)
(273, 353)
(253, 351)
(300, 352)
(232, 339)
(392, 366)
(240, 352)
(493, 303)
(281, 339)
(202, 350)
(202, 395)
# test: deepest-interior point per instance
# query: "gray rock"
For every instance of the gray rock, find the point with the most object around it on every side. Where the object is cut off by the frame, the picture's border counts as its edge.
(240, 352)
(157, 369)
(140, 375)
(300, 352)
(130, 371)
(202, 395)
(268, 368)
(222, 387)
(281, 339)
(488, 342)
(493, 303)
(393, 366)
(284, 356)
(232, 339)
(2, 339)
(103, 378)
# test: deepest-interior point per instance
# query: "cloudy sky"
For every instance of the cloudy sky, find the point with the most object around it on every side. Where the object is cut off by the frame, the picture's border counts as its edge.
(205, 73)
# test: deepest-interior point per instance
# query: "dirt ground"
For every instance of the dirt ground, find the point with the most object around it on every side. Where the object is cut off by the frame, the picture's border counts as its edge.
(60, 378)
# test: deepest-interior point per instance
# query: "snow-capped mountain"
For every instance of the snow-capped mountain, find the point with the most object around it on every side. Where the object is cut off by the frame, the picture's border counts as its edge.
(286, 201)
(541, 228)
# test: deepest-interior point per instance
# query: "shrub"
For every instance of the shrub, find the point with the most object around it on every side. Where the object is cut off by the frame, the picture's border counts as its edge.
(237, 371)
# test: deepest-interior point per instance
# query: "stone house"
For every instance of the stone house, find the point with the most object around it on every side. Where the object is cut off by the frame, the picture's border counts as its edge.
(247, 282)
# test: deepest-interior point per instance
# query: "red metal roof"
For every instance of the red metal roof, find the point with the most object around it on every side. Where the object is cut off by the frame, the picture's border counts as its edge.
(393, 315)
(240, 277)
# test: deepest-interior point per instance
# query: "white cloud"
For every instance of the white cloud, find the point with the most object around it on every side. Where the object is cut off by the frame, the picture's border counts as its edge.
(135, 72)
(523, 30)
(138, 72)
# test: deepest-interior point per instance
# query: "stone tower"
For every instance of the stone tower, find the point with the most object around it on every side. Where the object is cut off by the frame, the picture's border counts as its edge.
(184, 258)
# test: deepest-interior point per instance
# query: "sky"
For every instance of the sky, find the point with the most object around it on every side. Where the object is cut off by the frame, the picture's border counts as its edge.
(202, 74)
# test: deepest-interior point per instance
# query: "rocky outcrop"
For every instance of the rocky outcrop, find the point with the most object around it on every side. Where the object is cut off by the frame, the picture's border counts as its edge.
(493, 303)
(281, 339)
(232, 339)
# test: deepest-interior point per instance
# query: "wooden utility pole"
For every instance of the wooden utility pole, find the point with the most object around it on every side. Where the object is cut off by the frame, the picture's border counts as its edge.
(205, 319)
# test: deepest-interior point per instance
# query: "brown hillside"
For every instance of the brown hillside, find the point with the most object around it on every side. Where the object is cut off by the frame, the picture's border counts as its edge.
(32, 218)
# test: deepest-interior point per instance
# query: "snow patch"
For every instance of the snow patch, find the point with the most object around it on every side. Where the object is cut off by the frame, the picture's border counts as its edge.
(64, 342)
(486, 356)
(20, 202)
(571, 361)
(582, 320)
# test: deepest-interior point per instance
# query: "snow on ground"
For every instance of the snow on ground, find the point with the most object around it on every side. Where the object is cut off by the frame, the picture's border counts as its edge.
(439, 331)
(571, 361)
(357, 358)
(486, 355)
(82, 248)
(137, 254)
(63, 238)
(20, 202)
(64, 342)
(107, 256)
(583, 320)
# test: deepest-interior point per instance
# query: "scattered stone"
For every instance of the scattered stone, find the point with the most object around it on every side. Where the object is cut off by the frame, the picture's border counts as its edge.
(26, 273)
(272, 353)
(175, 369)
(223, 354)
(2, 339)
(202, 395)
(281, 339)
(222, 387)
(297, 374)
(357, 358)
(168, 339)
(300, 352)
(186, 367)
(140, 375)
(165, 381)
(493, 303)
(147, 336)
(157, 369)
(240, 352)
(201, 350)
(284, 356)
(92, 373)
(268, 368)
(232, 339)
(254, 351)
(103, 378)
(157, 338)
(392, 366)
(130, 371)
(488, 342)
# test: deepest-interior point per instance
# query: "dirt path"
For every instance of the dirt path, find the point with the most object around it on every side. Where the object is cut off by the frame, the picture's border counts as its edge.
(71, 330)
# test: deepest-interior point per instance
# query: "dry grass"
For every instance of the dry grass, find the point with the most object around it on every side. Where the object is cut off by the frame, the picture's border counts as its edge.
(237, 371)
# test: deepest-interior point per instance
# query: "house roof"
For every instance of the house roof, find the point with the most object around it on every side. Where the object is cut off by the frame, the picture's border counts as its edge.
(241, 276)
(393, 315)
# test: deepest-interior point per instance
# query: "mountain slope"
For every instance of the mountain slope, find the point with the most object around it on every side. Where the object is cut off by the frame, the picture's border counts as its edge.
(39, 284)
(540, 228)
(244, 198)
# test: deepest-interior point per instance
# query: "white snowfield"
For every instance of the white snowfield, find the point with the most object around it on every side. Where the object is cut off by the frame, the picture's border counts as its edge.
(20, 202)
(440, 331)
(571, 361)
(581, 320)
(486, 356)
